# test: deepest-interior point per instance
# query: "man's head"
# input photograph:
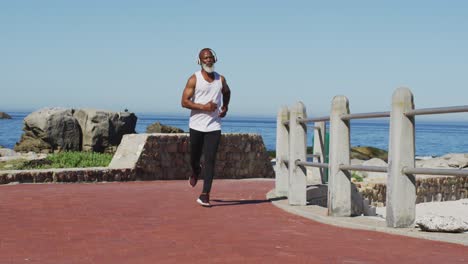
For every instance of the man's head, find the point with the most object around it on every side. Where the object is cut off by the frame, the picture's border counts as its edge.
(207, 59)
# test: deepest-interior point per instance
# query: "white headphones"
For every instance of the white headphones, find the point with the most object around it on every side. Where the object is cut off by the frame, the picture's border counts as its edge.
(212, 52)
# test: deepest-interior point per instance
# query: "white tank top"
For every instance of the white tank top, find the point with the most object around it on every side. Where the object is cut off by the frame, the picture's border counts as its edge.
(205, 92)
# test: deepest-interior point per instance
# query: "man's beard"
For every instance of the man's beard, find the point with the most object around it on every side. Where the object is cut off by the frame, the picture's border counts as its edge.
(207, 68)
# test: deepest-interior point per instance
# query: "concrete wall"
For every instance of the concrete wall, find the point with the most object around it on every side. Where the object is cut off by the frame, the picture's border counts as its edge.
(427, 190)
(160, 157)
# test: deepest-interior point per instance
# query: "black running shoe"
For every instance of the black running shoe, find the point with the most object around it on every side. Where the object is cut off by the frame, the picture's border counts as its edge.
(193, 179)
(204, 199)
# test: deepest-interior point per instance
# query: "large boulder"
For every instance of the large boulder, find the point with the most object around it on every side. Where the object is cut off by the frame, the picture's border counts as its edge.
(4, 115)
(5, 152)
(50, 130)
(160, 128)
(367, 153)
(436, 223)
(452, 160)
(103, 130)
(57, 129)
(457, 160)
(374, 176)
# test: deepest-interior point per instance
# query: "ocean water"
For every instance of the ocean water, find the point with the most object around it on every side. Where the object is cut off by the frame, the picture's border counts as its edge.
(432, 138)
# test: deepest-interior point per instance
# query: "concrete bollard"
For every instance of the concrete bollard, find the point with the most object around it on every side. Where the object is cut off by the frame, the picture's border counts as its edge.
(401, 188)
(339, 182)
(319, 149)
(297, 191)
(282, 152)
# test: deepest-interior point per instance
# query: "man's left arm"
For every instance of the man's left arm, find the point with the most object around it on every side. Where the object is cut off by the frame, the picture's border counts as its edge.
(226, 97)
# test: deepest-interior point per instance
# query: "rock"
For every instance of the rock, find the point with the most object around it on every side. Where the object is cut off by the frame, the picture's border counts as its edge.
(356, 162)
(12, 155)
(30, 143)
(453, 160)
(366, 153)
(103, 130)
(457, 160)
(49, 130)
(433, 163)
(160, 128)
(58, 129)
(4, 115)
(4, 152)
(35, 163)
(435, 223)
(374, 175)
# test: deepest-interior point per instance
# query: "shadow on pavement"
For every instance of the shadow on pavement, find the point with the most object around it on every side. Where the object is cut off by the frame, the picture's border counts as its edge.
(220, 202)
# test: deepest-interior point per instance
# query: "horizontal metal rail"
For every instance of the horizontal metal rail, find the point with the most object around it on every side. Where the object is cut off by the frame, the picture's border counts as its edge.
(315, 119)
(313, 155)
(422, 111)
(364, 168)
(365, 115)
(312, 164)
(438, 110)
(452, 172)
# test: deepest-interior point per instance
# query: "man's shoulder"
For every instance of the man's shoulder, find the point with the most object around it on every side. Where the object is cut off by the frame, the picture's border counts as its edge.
(193, 76)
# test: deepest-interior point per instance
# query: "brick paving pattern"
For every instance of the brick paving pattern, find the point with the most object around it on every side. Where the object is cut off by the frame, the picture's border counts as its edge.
(160, 222)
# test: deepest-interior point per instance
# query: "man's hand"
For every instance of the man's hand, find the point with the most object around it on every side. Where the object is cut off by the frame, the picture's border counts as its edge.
(210, 106)
(223, 112)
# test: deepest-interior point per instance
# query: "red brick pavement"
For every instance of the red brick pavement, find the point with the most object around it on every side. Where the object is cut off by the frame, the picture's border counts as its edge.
(160, 222)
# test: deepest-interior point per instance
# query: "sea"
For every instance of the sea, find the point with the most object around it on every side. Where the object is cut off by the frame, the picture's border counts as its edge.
(432, 138)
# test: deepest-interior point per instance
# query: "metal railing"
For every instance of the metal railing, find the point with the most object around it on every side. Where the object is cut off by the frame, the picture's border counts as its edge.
(291, 177)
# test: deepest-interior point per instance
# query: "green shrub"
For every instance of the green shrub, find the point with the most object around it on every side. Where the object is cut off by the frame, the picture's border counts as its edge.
(67, 160)
(357, 177)
(79, 159)
(12, 164)
(271, 154)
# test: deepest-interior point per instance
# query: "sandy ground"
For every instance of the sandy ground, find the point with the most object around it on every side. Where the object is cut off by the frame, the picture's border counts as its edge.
(457, 209)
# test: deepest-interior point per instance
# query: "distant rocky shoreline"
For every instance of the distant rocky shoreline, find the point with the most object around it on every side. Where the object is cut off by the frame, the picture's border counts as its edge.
(4, 115)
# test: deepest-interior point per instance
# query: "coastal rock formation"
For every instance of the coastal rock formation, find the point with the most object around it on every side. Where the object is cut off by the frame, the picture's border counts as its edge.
(5, 152)
(453, 160)
(48, 130)
(103, 130)
(4, 115)
(160, 128)
(436, 223)
(376, 176)
(58, 129)
(366, 153)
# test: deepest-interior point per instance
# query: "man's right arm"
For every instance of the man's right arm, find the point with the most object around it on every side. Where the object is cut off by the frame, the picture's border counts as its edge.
(188, 94)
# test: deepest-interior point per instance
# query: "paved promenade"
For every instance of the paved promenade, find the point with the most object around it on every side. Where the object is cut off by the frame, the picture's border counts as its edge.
(160, 222)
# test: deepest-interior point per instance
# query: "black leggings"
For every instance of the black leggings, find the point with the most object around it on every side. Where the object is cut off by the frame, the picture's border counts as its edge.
(205, 143)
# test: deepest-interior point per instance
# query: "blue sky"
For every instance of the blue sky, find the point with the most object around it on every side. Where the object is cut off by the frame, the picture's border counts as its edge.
(139, 54)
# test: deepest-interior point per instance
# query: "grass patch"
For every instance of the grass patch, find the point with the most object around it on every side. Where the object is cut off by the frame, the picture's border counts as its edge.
(357, 177)
(12, 164)
(61, 160)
